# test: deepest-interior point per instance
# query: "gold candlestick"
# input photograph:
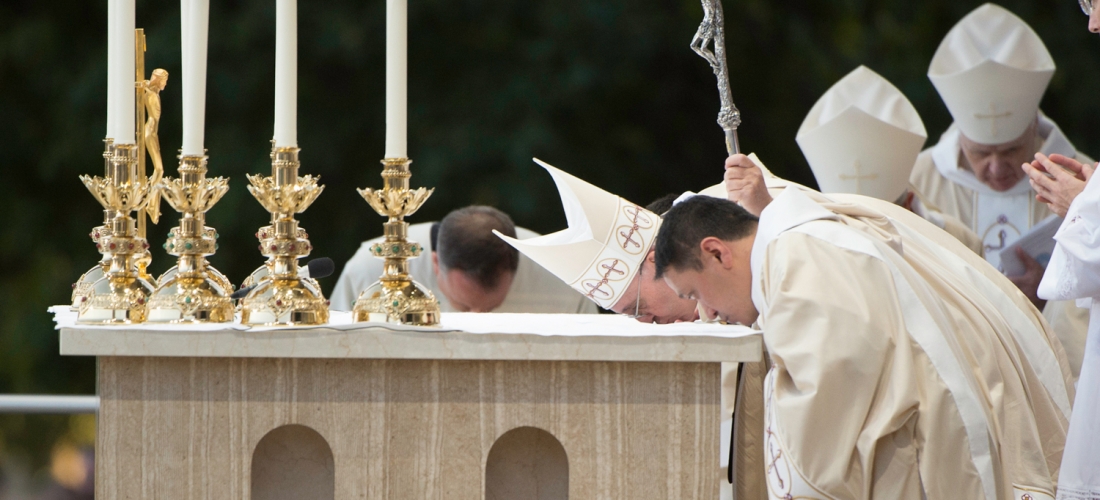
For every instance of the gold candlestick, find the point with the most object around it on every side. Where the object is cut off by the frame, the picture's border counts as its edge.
(143, 92)
(282, 297)
(395, 297)
(121, 294)
(82, 289)
(192, 291)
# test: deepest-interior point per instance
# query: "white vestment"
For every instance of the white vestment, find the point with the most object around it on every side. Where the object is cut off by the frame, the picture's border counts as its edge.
(899, 370)
(747, 483)
(1074, 273)
(945, 183)
(534, 289)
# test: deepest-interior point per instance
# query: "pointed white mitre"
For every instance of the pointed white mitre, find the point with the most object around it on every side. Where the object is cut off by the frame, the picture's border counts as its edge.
(863, 136)
(605, 244)
(991, 71)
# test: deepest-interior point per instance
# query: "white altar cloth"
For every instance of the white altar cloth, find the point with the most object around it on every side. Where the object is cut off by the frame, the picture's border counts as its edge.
(481, 336)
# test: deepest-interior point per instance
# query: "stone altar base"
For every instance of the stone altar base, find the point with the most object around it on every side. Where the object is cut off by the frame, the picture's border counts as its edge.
(489, 406)
(189, 428)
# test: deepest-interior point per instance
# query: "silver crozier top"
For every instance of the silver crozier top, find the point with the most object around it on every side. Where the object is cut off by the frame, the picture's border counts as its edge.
(712, 31)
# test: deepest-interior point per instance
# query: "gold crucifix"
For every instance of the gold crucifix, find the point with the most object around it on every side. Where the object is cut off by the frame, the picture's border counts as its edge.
(858, 177)
(993, 116)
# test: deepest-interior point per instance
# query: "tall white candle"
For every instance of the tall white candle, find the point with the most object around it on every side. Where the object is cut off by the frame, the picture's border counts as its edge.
(120, 77)
(195, 17)
(185, 13)
(286, 73)
(185, 62)
(397, 14)
(112, 6)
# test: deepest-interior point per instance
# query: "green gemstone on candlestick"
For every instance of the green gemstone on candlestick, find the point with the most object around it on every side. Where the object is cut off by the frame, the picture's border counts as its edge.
(187, 246)
(396, 249)
(187, 300)
(395, 303)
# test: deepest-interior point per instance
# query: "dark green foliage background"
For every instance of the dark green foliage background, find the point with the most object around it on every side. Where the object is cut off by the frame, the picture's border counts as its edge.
(605, 89)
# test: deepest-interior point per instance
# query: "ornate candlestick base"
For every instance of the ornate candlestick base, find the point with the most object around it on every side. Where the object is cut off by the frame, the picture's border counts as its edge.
(281, 297)
(121, 294)
(193, 291)
(82, 289)
(262, 273)
(209, 233)
(395, 297)
(406, 303)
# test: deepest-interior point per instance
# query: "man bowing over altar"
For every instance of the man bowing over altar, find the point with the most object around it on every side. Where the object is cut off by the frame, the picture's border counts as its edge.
(898, 368)
(991, 71)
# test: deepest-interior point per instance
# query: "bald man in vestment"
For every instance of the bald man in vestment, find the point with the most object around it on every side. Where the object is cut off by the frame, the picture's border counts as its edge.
(469, 269)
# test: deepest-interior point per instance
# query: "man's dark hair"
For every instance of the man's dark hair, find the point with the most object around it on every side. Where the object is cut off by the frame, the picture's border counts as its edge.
(693, 220)
(466, 242)
(662, 204)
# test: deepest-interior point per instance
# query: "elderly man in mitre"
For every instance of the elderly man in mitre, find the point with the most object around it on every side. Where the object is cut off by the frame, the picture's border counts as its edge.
(991, 71)
(899, 368)
(862, 137)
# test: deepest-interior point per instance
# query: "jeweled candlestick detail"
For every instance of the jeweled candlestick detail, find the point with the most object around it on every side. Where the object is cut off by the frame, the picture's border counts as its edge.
(193, 291)
(395, 297)
(121, 294)
(281, 296)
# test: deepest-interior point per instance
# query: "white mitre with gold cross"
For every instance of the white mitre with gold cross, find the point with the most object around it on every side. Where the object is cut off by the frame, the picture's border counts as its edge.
(863, 137)
(605, 244)
(991, 71)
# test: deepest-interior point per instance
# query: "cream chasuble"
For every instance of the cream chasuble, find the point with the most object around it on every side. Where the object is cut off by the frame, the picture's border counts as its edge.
(534, 289)
(917, 378)
(947, 184)
(1074, 273)
(748, 477)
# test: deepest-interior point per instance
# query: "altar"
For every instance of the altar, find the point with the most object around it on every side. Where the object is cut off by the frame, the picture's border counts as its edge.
(484, 406)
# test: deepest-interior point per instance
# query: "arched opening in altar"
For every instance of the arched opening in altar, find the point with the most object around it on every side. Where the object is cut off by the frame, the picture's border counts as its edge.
(527, 462)
(293, 462)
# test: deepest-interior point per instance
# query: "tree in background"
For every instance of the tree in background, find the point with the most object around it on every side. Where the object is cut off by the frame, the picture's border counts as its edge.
(605, 89)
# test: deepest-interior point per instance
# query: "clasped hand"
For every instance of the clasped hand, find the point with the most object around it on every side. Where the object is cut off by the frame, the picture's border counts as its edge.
(1057, 180)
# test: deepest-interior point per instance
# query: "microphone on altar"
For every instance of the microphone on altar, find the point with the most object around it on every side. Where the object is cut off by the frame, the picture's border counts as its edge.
(321, 267)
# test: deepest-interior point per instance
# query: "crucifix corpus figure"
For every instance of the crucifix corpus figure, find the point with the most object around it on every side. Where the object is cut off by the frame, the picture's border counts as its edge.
(152, 87)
